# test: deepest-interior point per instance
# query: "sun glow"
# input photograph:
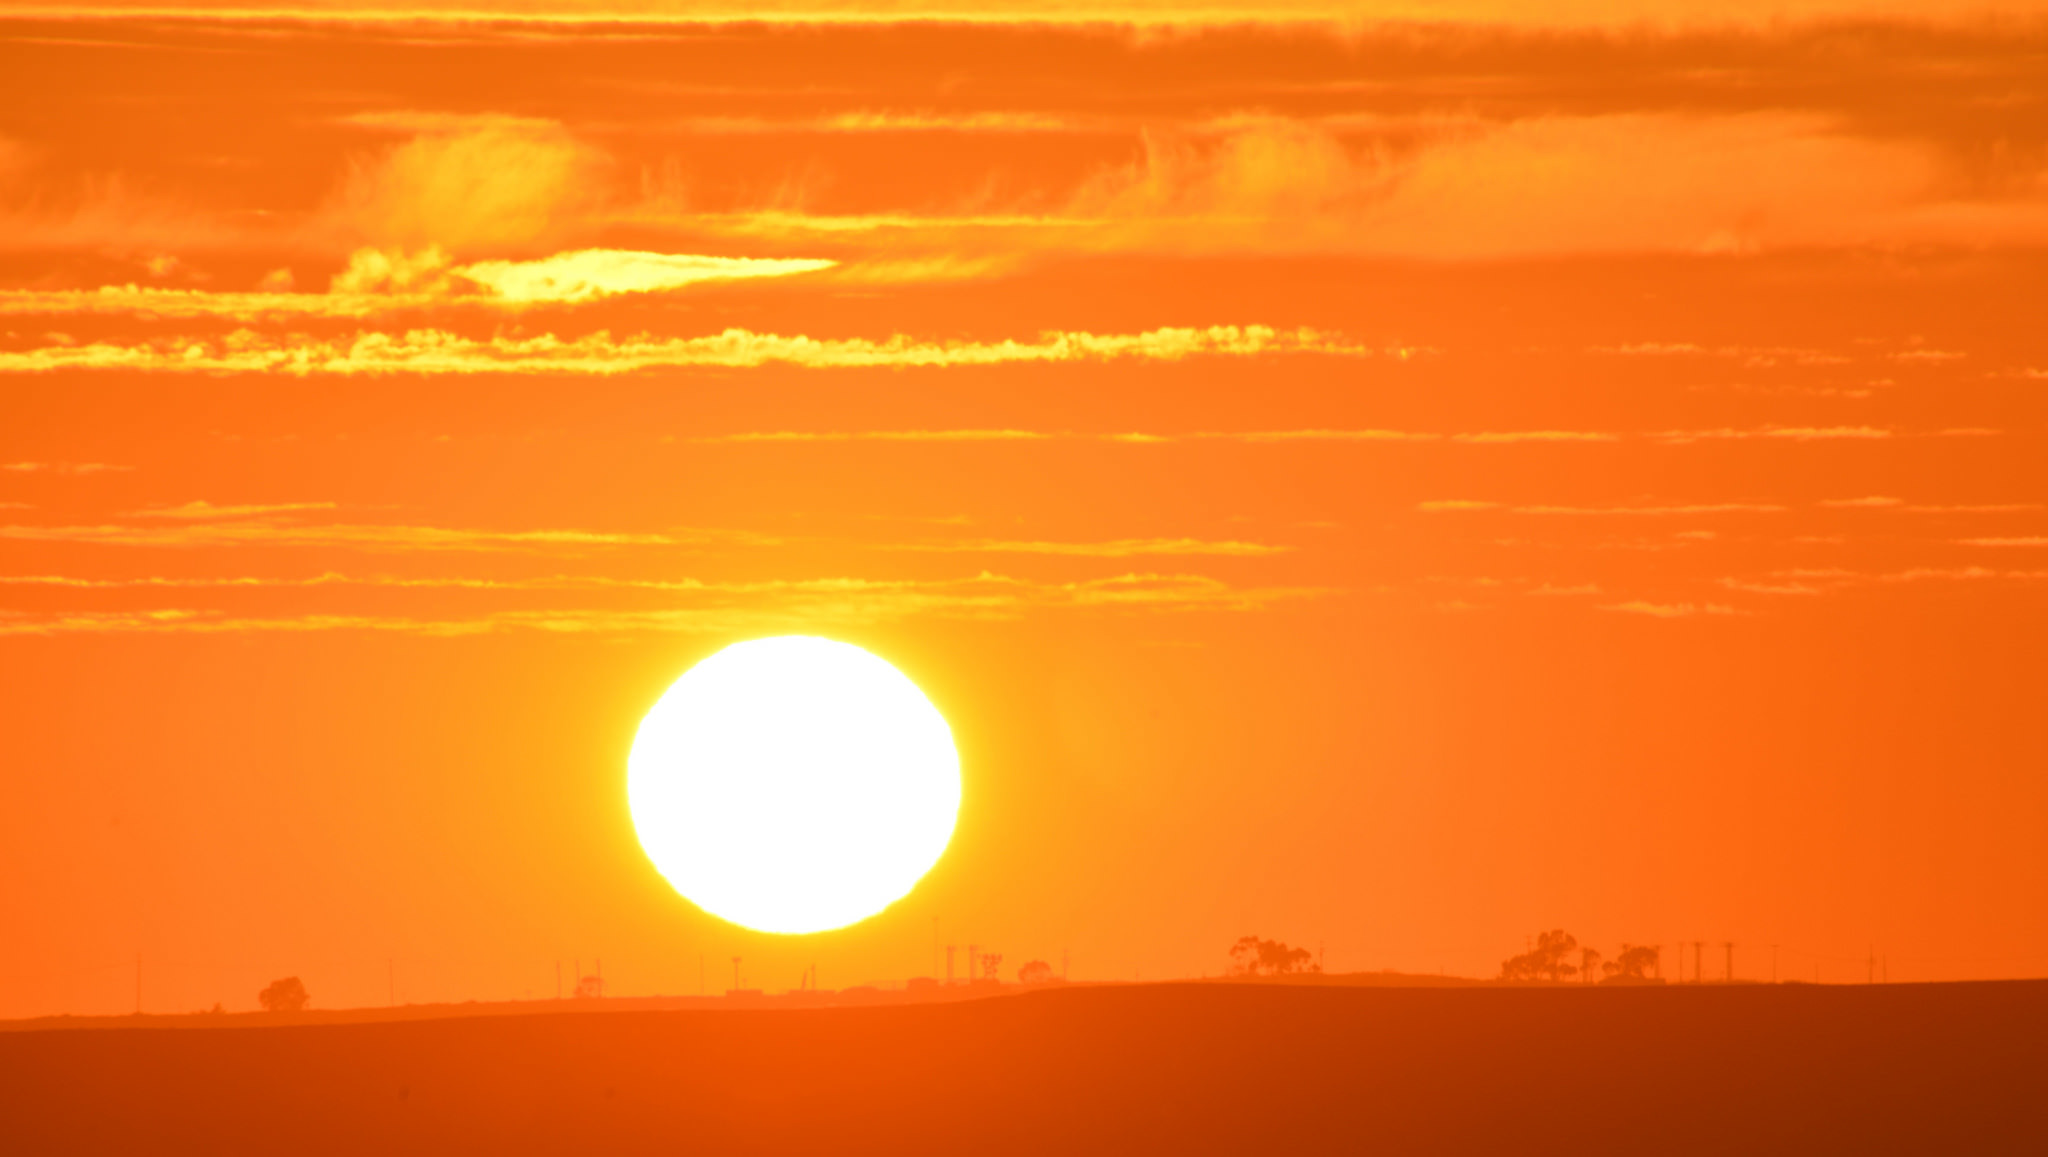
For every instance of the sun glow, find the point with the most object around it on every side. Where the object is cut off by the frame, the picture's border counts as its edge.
(793, 784)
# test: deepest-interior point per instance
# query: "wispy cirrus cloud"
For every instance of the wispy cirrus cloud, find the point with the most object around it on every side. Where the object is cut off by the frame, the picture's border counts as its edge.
(1823, 580)
(62, 468)
(427, 351)
(1115, 548)
(706, 607)
(1669, 610)
(1883, 502)
(244, 530)
(378, 282)
(1461, 505)
(1337, 435)
(204, 525)
(202, 510)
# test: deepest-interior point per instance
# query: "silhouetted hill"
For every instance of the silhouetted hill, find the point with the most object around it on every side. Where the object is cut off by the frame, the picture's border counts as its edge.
(1187, 1068)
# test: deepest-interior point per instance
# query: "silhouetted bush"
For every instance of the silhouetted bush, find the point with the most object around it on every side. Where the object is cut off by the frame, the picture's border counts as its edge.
(1251, 956)
(1634, 963)
(1546, 961)
(1035, 972)
(287, 995)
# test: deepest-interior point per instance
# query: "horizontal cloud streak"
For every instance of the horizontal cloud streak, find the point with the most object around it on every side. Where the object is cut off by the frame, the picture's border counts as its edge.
(1670, 610)
(263, 532)
(1453, 505)
(251, 527)
(378, 283)
(428, 351)
(713, 608)
(1142, 438)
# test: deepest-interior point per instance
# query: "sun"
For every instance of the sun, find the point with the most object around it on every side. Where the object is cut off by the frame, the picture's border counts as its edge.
(793, 784)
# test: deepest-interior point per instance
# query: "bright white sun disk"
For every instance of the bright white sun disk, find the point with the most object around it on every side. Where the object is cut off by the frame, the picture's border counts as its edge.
(793, 784)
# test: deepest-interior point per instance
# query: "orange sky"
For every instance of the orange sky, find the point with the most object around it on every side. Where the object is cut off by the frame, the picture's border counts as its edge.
(1386, 486)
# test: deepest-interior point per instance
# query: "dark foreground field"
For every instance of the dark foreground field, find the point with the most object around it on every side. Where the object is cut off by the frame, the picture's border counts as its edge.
(1935, 1069)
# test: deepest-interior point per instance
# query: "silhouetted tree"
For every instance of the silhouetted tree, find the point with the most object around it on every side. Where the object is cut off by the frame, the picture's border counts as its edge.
(1588, 957)
(1035, 972)
(590, 987)
(1634, 963)
(1546, 961)
(287, 995)
(991, 962)
(1251, 956)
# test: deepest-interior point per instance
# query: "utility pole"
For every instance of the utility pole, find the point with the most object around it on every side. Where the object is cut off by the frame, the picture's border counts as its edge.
(1063, 964)
(1698, 946)
(1870, 977)
(391, 981)
(735, 973)
(138, 984)
(1774, 964)
(1730, 946)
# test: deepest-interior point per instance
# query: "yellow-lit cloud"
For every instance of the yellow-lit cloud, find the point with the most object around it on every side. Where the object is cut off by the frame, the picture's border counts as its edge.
(707, 608)
(204, 510)
(380, 281)
(242, 531)
(429, 351)
(1441, 506)
(1670, 610)
(1117, 548)
(593, 273)
(484, 181)
(61, 468)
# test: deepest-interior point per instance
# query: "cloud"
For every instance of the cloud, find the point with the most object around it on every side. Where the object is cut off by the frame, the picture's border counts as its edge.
(1118, 548)
(1814, 581)
(62, 468)
(204, 510)
(1880, 502)
(241, 530)
(1763, 588)
(709, 608)
(1670, 610)
(1507, 436)
(199, 524)
(593, 273)
(1547, 590)
(793, 436)
(2021, 541)
(476, 181)
(1146, 438)
(1785, 433)
(1453, 505)
(888, 121)
(429, 351)
(383, 281)
(1441, 184)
